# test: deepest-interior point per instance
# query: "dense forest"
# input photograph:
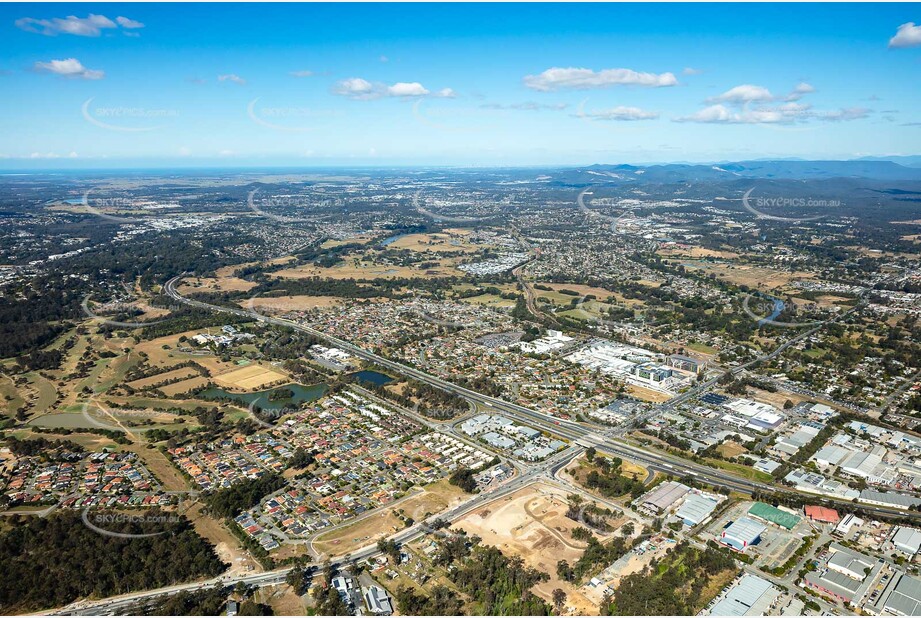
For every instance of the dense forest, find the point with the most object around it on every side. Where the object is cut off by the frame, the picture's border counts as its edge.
(53, 561)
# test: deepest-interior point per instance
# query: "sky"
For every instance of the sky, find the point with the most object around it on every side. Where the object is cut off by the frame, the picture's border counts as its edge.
(236, 85)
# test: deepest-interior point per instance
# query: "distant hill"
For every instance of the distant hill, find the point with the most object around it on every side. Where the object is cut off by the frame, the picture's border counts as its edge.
(786, 169)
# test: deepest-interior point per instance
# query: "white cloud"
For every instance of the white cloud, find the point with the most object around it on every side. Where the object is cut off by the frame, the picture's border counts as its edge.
(131, 24)
(230, 77)
(363, 90)
(691, 71)
(91, 25)
(745, 93)
(71, 67)
(620, 113)
(301, 73)
(908, 35)
(801, 90)
(355, 88)
(407, 89)
(785, 113)
(557, 78)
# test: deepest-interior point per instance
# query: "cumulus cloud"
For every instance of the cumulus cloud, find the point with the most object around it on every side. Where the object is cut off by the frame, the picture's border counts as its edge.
(91, 25)
(230, 77)
(301, 73)
(745, 93)
(363, 90)
(620, 113)
(407, 89)
(70, 67)
(908, 35)
(557, 78)
(355, 88)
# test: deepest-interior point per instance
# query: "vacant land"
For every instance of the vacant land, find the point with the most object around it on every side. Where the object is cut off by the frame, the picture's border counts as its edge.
(291, 303)
(451, 241)
(532, 525)
(251, 377)
(227, 283)
(166, 376)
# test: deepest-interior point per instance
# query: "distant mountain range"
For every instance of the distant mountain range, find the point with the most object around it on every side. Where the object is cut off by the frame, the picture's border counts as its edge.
(785, 169)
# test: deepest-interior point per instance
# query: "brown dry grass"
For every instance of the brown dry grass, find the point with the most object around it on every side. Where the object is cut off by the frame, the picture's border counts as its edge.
(226, 283)
(182, 372)
(697, 252)
(448, 242)
(368, 270)
(647, 394)
(251, 377)
(363, 532)
(184, 386)
(295, 303)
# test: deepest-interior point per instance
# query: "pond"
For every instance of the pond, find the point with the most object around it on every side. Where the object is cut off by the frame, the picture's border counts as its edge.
(372, 377)
(391, 240)
(301, 394)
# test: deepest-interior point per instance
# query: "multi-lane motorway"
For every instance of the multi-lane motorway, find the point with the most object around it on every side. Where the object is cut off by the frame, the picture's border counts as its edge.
(580, 433)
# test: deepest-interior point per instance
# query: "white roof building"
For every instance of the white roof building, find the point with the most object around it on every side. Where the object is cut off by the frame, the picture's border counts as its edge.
(907, 540)
(750, 596)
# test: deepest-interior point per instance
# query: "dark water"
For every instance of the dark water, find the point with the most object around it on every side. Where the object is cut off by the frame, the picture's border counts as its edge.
(372, 377)
(392, 239)
(261, 398)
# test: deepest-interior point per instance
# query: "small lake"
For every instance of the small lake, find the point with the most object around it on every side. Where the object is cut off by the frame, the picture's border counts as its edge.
(391, 240)
(779, 306)
(372, 377)
(301, 395)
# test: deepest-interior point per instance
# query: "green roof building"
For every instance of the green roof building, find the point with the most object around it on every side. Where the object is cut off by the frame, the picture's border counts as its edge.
(773, 515)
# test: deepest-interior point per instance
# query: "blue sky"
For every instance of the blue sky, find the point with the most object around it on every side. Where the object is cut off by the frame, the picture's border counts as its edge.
(114, 85)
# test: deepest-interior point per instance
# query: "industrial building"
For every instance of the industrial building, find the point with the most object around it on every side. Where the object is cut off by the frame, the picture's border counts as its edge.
(901, 597)
(663, 497)
(846, 575)
(886, 498)
(696, 509)
(742, 533)
(750, 596)
(773, 515)
(907, 540)
(821, 514)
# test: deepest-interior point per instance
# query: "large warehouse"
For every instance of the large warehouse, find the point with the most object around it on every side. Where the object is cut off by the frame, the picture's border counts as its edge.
(696, 508)
(663, 497)
(751, 596)
(742, 533)
(773, 515)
